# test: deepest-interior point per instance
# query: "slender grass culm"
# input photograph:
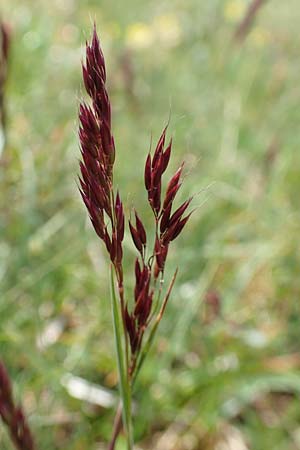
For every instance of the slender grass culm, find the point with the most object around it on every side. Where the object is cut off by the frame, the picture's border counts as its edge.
(135, 320)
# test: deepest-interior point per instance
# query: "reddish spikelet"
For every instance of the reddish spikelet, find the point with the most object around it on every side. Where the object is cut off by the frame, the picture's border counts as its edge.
(174, 231)
(159, 149)
(143, 295)
(131, 330)
(177, 215)
(120, 225)
(166, 157)
(148, 173)
(135, 237)
(12, 415)
(161, 252)
(165, 218)
(156, 198)
(137, 269)
(138, 234)
(154, 170)
(140, 229)
(173, 187)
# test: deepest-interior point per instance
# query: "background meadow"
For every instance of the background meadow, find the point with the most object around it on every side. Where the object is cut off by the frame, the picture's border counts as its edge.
(225, 371)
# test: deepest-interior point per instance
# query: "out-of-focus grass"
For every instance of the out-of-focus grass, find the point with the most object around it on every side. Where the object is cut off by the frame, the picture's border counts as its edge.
(211, 379)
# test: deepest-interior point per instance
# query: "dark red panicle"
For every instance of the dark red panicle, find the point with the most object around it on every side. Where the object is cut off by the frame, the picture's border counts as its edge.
(5, 40)
(98, 154)
(106, 210)
(4, 60)
(12, 415)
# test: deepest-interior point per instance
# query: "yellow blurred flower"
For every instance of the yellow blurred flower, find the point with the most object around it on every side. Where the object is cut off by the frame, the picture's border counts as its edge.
(164, 30)
(139, 36)
(259, 37)
(167, 28)
(234, 10)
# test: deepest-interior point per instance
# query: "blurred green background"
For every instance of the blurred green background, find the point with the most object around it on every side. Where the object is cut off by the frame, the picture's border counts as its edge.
(225, 371)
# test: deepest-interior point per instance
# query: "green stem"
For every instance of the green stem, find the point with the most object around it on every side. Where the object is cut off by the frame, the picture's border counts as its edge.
(124, 384)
